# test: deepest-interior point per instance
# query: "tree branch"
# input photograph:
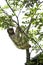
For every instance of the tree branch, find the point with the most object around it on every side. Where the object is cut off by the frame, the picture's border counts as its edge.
(29, 26)
(12, 11)
(9, 6)
(33, 38)
(37, 44)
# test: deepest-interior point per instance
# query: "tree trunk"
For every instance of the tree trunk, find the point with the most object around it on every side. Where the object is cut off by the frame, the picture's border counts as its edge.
(27, 57)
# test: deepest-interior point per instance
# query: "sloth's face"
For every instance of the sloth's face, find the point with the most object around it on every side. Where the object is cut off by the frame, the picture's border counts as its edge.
(10, 31)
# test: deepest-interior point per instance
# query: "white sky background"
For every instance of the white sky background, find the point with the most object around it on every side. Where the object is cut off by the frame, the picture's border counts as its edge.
(9, 54)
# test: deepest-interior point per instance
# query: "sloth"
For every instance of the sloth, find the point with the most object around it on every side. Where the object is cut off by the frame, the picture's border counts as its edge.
(18, 38)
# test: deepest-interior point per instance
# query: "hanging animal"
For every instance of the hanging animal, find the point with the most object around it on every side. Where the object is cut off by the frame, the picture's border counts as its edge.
(18, 38)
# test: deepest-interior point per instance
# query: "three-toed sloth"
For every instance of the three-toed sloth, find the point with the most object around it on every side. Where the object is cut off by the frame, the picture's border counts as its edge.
(18, 38)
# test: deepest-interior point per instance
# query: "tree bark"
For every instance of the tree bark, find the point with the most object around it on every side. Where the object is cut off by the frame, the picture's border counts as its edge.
(27, 57)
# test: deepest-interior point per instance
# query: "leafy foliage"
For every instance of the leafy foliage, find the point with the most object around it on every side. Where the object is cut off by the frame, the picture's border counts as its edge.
(32, 17)
(5, 22)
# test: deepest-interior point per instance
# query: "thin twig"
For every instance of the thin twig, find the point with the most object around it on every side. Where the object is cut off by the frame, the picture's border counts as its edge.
(40, 2)
(21, 10)
(29, 26)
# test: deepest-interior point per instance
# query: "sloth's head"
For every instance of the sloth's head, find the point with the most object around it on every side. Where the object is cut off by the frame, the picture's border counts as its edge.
(10, 31)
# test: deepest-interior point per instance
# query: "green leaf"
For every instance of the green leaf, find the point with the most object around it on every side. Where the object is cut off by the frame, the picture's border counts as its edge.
(5, 7)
